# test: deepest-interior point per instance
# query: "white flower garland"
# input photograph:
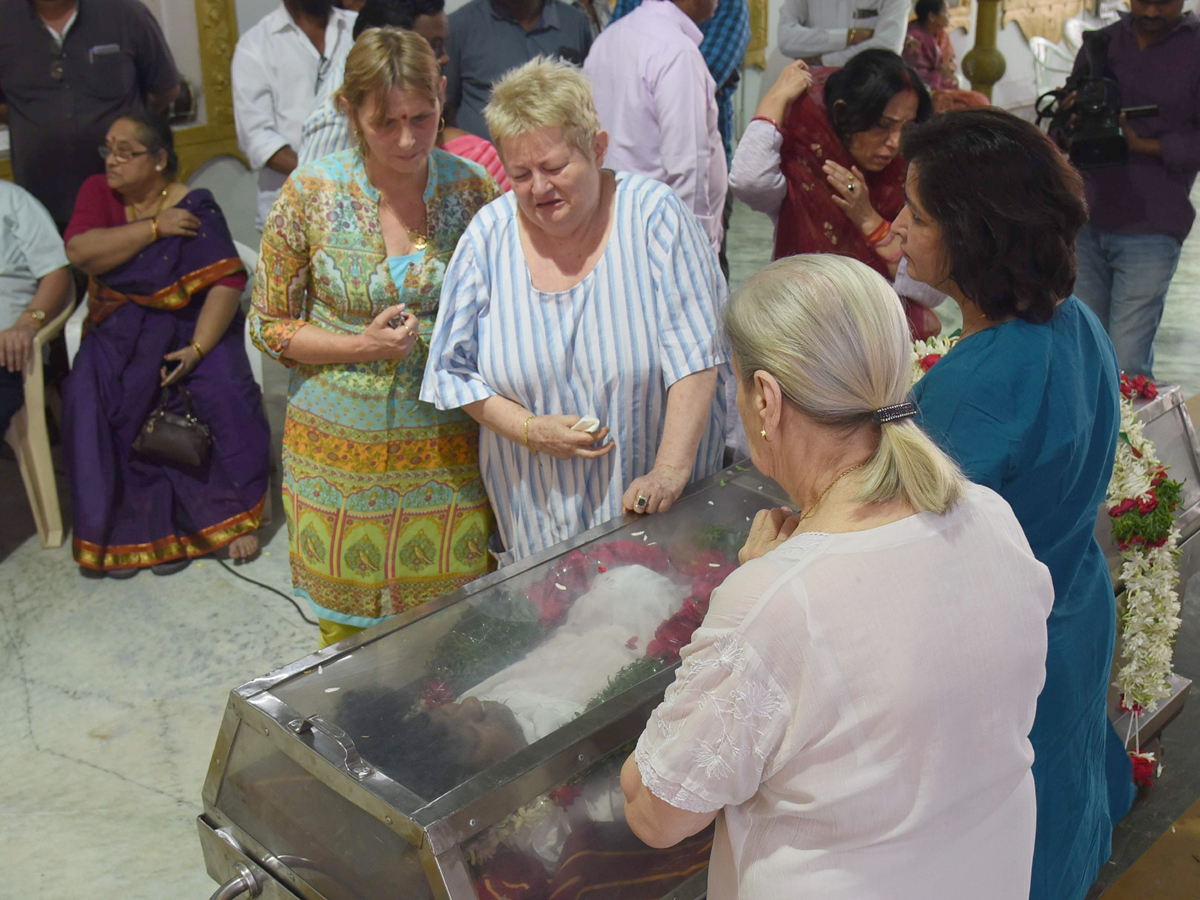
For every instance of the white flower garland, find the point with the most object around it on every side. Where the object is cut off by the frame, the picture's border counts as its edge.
(1151, 617)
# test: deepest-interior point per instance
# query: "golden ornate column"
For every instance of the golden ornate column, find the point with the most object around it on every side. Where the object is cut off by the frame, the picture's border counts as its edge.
(984, 64)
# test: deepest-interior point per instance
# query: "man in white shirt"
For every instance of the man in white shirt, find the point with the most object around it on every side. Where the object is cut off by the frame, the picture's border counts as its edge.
(657, 101)
(830, 32)
(281, 70)
(35, 285)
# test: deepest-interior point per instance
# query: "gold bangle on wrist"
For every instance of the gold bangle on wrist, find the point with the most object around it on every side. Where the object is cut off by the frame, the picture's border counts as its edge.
(199, 350)
(154, 225)
(529, 446)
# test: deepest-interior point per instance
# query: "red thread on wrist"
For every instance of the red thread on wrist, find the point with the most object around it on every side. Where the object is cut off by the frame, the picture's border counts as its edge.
(769, 120)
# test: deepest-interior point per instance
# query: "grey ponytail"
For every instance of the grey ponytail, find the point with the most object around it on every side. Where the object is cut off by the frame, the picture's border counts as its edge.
(832, 332)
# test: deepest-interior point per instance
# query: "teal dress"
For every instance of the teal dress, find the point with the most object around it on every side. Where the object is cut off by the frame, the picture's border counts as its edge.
(1032, 412)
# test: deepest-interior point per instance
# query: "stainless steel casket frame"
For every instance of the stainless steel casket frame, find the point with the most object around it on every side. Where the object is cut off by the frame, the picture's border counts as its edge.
(434, 829)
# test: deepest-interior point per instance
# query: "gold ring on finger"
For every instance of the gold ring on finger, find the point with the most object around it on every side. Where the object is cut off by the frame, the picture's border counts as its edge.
(642, 500)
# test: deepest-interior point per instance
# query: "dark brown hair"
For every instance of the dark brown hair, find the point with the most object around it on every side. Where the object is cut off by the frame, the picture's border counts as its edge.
(1009, 206)
(154, 131)
(857, 94)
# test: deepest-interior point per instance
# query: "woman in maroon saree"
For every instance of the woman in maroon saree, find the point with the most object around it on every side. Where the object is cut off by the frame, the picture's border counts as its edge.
(165, 282)
(821, 157)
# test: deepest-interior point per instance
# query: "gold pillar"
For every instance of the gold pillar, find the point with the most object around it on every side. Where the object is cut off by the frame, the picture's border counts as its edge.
(984, 65)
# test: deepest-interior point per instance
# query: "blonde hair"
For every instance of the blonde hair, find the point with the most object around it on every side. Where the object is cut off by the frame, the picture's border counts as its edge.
(381, 60)
(833, 334)
(543, 93)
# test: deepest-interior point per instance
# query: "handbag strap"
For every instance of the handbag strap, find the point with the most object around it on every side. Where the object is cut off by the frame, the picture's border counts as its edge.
(187, 402)
(163, 398)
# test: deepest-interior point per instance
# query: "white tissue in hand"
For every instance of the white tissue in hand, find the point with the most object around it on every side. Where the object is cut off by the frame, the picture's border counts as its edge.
(586, 423)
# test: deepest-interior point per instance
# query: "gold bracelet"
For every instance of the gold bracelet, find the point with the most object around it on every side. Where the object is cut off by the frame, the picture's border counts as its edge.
(528, 446)
(154, 225)
(200, 350)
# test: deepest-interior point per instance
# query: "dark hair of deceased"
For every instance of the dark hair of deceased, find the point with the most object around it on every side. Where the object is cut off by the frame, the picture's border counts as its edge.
(154, 131)
(1009, 206)
(410, 748)
(926, 8)
(395, 14)
(857, 94)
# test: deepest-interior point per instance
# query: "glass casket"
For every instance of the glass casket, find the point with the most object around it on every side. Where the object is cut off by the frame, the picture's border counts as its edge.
(471, 748)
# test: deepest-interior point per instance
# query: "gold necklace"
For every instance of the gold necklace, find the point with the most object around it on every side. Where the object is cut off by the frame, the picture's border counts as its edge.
(415, 237)
(812, 509)
(131, 210)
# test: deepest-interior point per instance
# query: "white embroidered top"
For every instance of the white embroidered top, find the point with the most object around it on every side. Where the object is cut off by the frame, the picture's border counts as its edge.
(859, 705)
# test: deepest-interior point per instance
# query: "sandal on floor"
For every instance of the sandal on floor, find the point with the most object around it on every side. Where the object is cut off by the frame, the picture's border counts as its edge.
(170, 568)
(119, 574)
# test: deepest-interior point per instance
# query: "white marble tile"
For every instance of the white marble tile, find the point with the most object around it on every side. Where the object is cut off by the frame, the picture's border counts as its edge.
(112, 693)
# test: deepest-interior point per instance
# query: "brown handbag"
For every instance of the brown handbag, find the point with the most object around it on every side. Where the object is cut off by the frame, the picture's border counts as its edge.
(180, 439)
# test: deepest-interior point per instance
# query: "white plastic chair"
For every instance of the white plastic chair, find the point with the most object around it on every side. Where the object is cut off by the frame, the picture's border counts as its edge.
(1051, 65)
(30, 440)
(249, 259)
(1073, 30)
(73, 331)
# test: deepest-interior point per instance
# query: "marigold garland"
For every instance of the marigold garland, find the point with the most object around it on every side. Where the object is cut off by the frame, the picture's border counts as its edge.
(1142, 503)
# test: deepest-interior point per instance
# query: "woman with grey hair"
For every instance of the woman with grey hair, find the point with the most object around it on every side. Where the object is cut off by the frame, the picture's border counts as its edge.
(579, 325)
(855, 709)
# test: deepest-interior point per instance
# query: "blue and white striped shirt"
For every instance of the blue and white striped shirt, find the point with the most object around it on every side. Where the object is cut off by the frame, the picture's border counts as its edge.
(326, 131)
(646, 316)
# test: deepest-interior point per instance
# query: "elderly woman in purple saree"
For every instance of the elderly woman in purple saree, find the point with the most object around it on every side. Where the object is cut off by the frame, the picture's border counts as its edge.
(165, 283)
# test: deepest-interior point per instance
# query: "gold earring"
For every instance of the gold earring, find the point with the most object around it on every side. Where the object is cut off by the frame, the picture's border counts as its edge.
(764, 434)
(442, 123)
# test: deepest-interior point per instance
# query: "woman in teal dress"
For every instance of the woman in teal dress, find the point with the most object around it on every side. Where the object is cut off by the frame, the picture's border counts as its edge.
(1027, 402)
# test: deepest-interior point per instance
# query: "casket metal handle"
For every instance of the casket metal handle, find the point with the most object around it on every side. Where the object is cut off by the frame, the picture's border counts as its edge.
(354, 763)
(244, 882)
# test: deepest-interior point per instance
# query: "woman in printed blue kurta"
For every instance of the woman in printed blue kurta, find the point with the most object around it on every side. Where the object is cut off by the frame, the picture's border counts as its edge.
(1027, 403)
(614, 342)
(385, 506)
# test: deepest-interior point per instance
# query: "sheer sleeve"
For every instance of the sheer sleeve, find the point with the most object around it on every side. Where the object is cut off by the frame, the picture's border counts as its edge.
(280, 304)
(709, 742)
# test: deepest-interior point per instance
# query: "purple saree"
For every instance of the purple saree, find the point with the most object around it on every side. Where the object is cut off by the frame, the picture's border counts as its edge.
(131, 510)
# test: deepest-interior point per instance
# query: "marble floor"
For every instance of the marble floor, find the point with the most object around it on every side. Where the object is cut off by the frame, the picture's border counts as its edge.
(112, 691)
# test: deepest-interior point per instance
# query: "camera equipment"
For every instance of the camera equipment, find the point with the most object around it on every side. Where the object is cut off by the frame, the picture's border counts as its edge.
(1085, 113)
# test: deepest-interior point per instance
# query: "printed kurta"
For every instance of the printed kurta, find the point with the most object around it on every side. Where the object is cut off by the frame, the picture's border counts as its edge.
(385, 507)
(646, 316)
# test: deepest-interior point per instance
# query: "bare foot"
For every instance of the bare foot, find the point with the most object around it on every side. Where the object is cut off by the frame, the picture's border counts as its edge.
(244, 547)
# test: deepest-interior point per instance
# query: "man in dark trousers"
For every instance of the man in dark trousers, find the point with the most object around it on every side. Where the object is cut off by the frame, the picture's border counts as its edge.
(68, 69)
(1140, 211)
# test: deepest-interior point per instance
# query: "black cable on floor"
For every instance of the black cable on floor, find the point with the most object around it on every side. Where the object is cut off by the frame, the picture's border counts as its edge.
(267, 587)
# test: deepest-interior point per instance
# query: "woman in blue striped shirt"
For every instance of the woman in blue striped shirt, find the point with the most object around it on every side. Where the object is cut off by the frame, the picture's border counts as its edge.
(582, 293)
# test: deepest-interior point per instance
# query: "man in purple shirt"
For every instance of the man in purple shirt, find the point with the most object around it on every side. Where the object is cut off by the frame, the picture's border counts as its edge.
(1140, 211)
